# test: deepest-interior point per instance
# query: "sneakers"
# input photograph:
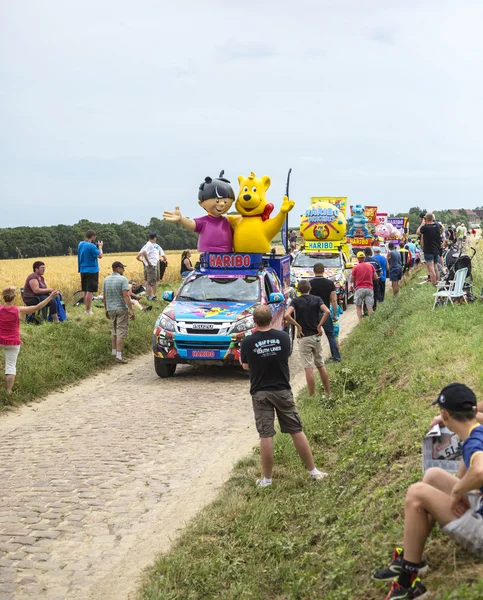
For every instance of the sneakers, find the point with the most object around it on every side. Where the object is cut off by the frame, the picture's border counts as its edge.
(264, 482)
(395, 568)
(316, 474)
(416, 590)
(145, 308)
(121, 361)
(88, 312)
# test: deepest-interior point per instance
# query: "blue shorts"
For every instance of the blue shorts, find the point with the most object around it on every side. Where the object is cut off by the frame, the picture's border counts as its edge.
(431, 257)
(395, 275)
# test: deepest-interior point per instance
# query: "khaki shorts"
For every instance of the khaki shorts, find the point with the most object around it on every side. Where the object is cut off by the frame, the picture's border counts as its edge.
(467, 531)
(119, 322)
(311, 353)
(151, 274)
(266, 403)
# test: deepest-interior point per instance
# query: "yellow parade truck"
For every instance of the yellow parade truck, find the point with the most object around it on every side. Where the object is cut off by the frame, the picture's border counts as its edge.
(323, 229)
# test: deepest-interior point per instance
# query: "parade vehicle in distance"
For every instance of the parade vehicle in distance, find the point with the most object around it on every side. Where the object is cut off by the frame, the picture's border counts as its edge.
(212, 311)
(323, 228)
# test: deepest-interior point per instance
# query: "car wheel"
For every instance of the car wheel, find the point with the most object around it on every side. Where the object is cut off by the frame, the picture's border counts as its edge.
(164, 369)
(344, 298)
(291, 334)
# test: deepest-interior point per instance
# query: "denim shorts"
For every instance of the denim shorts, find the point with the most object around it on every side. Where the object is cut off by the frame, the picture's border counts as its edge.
(431, 258)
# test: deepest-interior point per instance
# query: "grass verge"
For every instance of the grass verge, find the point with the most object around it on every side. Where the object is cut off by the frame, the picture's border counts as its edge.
(53, 356)
(298, 540)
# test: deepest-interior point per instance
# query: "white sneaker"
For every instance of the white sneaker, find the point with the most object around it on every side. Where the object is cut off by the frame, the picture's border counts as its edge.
(264, 482)
(318, 475)
(88, 312)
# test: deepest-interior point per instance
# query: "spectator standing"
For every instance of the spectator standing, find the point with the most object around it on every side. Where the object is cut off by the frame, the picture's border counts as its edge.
(405, 258)
(88, 254)
(149, 256)
(186, 265)
(293, 240)
(431, 233)
(10, 329)
(162, 262)
(363, 280)
(325, 288)
(35, 290)
(116, 295)
(411, 246)
(369, 258)
(309, 324)
(265, 354)
(395, 267)
(442, 498)
(381, 283)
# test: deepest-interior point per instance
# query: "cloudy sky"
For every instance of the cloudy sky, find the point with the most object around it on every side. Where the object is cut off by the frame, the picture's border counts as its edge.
(115, 110)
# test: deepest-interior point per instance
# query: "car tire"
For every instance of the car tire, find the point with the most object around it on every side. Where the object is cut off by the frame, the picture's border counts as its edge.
(344, 299)
(164, 369)
(290, 330)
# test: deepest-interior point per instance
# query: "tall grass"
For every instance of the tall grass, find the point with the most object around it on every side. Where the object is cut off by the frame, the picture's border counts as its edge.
(297, 540)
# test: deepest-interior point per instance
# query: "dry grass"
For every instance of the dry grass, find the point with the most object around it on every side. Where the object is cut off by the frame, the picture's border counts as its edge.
(61, 271)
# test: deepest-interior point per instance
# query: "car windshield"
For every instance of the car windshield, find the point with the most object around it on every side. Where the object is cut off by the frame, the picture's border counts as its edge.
(328, 259)
(223, 289)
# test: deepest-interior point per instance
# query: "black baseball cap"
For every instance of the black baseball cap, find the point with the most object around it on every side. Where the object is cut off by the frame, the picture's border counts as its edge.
(118, 265)
(456, 396)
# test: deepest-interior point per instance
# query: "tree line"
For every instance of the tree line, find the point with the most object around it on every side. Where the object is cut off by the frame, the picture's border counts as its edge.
(443, 216)
(58, 240)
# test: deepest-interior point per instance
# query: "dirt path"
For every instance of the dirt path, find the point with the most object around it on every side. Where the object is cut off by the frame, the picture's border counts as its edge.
(98, 479)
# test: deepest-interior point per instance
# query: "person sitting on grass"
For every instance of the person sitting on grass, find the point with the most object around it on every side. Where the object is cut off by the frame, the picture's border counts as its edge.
(10, 329)
(135, 299)
(35, 290)
(441, 498)
(265, 354)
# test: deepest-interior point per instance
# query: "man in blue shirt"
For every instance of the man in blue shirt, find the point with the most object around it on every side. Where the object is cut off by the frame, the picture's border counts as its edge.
(382, 260)
(88, 253)
(441, 498)
(411, 246)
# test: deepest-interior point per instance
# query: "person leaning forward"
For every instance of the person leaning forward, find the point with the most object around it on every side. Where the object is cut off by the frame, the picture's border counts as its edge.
(265, 354)
(116, 295)
(307, 309)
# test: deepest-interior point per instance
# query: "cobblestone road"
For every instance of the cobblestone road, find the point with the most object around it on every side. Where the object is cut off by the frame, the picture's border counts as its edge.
(94, 481)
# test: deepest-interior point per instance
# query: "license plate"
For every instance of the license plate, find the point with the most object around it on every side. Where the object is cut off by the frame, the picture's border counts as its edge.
(202, 326)
(203, 353)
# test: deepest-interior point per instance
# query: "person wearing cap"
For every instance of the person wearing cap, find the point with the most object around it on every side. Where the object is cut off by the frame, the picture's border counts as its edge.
(369, 258)
(382, 260)
(456, 504)
(116, 295)
(363, 279)
(149, 256)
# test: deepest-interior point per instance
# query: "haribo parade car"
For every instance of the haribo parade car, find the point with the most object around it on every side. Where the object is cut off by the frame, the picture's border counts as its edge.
(211, 312)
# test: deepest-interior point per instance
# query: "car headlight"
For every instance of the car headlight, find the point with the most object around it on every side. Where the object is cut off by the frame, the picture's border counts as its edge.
(242, 325)
(166, 323)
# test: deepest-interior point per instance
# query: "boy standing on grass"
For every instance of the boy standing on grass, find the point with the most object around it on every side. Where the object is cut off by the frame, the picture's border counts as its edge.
(116, 295)
(88, 255)
(307, 309)
(456, 504)
(265, 354)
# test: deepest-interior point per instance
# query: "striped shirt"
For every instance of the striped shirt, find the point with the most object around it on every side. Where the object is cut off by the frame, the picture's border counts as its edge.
(112, 288)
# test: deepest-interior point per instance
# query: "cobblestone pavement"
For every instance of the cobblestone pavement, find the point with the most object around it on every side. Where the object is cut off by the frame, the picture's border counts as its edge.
(90, 475)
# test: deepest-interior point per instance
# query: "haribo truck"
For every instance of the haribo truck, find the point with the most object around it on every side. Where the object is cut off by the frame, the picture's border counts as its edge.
(212, 311)
(323, 229)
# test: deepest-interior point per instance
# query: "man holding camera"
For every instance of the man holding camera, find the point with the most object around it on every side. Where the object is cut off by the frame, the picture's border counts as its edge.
(88, 253)
(431, 237)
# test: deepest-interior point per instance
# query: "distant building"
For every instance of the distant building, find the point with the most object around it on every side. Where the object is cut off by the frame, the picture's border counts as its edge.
(473, 217)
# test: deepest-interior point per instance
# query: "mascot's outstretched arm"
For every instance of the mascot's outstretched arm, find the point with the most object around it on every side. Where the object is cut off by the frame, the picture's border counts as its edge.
(273, 226)
(177, 217)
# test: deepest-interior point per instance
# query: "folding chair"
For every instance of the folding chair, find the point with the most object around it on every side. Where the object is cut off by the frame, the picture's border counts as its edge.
(455, 289)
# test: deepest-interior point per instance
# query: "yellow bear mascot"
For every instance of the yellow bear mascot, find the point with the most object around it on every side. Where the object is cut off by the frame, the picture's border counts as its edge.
(253, 229)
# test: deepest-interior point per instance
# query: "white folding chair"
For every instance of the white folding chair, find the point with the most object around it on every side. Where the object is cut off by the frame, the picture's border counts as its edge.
(455, 290)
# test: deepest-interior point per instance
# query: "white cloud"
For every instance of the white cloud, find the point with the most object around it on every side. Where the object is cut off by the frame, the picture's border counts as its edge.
(118, 110)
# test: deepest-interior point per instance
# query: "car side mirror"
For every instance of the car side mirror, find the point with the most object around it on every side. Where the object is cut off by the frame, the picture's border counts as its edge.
(349, 265)
(275, 297)
(168, 296)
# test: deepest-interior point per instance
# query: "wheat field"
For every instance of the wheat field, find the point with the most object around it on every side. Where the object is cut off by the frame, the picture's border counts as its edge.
(61, 271)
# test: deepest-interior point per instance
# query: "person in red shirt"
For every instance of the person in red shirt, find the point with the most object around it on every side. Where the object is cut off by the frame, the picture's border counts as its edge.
(362, 280)
(10, 329)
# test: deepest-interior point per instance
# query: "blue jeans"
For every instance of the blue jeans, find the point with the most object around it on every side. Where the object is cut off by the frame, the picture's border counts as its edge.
(329, 332)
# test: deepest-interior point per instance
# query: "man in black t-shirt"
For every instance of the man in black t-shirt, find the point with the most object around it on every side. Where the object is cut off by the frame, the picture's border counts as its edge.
(307, 309)
(265, 354)
(325, 288)
(431, 233)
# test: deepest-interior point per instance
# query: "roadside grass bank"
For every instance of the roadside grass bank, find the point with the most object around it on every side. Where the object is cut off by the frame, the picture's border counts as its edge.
(300, 540)
(52, 356)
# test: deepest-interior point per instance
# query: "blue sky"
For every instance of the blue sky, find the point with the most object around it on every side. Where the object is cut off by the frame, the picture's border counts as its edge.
(117, 110)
